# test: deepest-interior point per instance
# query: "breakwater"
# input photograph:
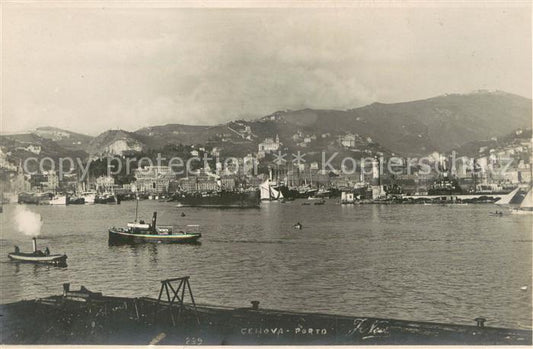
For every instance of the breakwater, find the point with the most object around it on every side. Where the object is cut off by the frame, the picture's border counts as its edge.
(85, 317)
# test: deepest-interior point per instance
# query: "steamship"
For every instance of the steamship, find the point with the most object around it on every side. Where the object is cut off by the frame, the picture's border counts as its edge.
(220, 199)
(38, 256)
(140, 232)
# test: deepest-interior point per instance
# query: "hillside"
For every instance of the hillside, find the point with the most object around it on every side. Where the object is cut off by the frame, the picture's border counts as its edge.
(483, 147)
(116, 142)
(420, 127)
(411, 128)
(158, 136)
(66, 139)
(29, 145)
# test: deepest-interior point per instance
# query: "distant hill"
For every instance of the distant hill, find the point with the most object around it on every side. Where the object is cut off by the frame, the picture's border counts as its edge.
(26, 145)
(420, 127)
(116, 142)
(66, 139)
(159, 136)
(483, 147)
(411, 128)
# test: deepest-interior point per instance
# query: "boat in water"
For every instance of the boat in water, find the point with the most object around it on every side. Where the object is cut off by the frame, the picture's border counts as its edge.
(29, 198)
(38, 256)
(269, 191)
(106, 198)
(88, 197)
(508, 198)
(58, 200)
(301, 192)
(141, 232)
(526, 207)
(75, 200)
(220, 199)
(445, 186)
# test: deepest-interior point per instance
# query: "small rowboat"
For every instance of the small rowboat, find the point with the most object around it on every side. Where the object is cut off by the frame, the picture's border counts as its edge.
(38, 256)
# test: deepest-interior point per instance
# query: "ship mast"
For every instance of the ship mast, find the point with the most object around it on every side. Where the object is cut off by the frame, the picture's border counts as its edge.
(136, 207)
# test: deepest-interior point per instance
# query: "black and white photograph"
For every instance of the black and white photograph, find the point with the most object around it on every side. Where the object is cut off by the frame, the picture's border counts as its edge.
(266, 173)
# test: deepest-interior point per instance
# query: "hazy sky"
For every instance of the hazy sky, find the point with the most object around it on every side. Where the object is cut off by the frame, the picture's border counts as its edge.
(92, 69)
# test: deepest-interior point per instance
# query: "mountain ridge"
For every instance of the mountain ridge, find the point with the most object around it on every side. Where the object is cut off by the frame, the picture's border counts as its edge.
(419, 127)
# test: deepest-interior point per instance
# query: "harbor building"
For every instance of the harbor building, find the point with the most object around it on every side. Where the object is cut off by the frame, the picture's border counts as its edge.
(153, 179)
(200, 183)
(52, 180)
(105, 183)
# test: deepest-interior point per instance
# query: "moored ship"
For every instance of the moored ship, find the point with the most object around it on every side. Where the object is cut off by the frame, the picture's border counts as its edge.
(220, 199)
(301, 192)
(106, 198)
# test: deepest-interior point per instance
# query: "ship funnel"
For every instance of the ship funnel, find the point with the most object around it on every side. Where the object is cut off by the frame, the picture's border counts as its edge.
(34, 240)
(154, 221)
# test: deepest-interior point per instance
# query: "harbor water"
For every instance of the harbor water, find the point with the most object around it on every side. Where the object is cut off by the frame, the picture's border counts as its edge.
(414, 262)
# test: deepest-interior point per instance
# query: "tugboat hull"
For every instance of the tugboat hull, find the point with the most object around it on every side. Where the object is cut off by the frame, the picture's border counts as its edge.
(55, 259)
(117, 236)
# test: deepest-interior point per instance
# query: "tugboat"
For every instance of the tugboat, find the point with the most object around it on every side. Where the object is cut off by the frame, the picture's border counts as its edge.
(40, 257)
(140, 232)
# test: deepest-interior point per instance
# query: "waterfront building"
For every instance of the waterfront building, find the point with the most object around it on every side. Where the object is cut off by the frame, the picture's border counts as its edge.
(512, 176)
(197, 184)
(153, 179)
(129, 187)
(203, 181)
(105, 183)
(52, 180)
(227, 183)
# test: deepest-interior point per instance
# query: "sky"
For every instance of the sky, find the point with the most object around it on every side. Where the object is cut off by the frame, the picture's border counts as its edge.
(89, 69)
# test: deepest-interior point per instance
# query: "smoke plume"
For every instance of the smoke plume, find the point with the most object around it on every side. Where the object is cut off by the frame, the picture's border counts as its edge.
(28, 222)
